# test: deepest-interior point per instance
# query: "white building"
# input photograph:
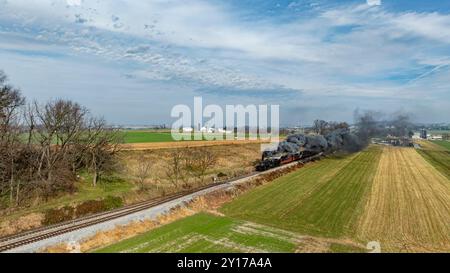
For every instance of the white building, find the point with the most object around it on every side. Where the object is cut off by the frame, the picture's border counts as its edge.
(220, 130)
(435, 137)
(207, 130)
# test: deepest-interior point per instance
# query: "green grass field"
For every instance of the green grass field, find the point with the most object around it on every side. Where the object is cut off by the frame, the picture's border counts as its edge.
(439, 158)
(439, 132)
(443, 143)
(148, 136)
(206, 233)
(324, 198)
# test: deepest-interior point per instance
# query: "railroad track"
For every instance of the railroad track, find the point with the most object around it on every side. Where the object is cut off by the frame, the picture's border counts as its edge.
(35, 235)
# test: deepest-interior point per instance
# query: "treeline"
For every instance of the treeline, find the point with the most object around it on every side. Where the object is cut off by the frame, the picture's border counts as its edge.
(44, 146)
(322, 127)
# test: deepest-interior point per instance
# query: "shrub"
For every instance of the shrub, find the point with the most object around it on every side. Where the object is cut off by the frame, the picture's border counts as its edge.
(90, 207)
(97, 206)
(67, 213)
(55, 216)
(113, 202)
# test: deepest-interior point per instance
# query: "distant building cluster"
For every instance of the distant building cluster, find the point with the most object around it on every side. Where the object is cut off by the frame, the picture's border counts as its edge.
(424, 134)
(207, 130)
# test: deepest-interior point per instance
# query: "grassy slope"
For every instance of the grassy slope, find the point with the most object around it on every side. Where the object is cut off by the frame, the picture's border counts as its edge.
(437, 153)
(325, 198)
(85, 192)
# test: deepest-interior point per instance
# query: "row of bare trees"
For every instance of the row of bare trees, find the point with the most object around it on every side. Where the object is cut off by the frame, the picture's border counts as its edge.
(322, 127)
(44, 146)
(183, 165)
(189, 163)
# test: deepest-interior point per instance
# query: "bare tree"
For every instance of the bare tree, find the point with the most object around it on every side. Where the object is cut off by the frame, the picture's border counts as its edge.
(42, 147)
(320, 126)
(10, 102)
(199, 162)
(59, 126)
(175, 170)
(143, 171)
(100, 148)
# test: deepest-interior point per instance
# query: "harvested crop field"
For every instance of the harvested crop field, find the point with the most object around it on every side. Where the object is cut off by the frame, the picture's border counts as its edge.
(409, 204)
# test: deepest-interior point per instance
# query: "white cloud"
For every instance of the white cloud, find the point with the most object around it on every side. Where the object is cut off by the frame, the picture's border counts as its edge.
(74, 2)
(350, 50)
(374, 2)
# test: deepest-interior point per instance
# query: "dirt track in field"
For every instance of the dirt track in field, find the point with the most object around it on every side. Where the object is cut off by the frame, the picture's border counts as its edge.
(185, 144)
(408, 209)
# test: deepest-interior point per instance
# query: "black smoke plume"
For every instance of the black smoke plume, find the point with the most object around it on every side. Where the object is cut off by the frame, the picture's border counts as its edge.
(334, 137)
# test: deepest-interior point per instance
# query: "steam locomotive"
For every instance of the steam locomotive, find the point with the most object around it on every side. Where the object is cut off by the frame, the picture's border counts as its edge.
(308, 147)
(272, 160)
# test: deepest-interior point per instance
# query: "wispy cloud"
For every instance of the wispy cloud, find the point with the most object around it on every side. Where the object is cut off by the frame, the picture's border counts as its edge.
(351, 49)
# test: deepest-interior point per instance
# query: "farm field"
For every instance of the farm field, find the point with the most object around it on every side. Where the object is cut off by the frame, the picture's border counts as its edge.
(209, 233)
(324, 198)
(439, 132)
(185, 144)
(443, 143)
(437, 154)
(146, 136)
(388, 195)
(409, 204)
(151, 136)
(232, 160)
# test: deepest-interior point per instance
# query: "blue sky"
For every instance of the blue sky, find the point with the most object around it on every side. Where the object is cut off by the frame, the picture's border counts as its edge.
(132, 61)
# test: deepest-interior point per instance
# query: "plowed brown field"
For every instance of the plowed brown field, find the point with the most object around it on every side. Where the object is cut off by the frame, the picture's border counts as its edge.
(408, 209)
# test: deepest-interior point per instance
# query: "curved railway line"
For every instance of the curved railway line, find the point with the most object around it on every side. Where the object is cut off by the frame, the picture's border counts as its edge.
(36, 235)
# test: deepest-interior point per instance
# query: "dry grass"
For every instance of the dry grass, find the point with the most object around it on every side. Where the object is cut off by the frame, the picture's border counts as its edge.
(232, 160)
(27, 222)
(408, 209)
(186, 144)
